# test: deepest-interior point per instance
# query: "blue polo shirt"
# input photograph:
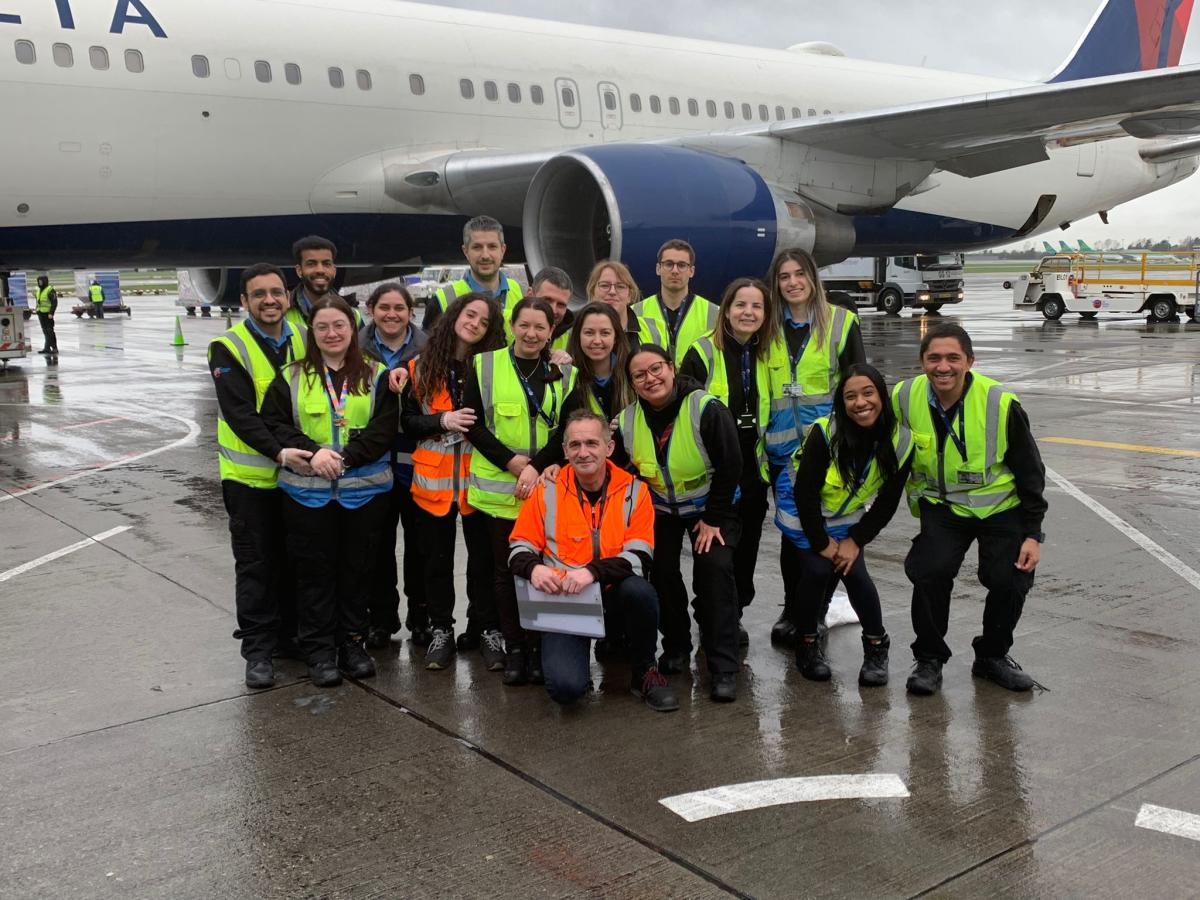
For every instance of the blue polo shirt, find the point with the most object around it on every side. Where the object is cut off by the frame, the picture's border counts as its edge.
(476, 287)
(391, 358)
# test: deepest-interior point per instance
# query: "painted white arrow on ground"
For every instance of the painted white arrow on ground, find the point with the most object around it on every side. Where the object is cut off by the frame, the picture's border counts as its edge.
(1169, 821)
(731, 798)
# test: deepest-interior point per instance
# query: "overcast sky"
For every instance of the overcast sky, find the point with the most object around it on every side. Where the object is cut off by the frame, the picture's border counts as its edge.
(1021, 39)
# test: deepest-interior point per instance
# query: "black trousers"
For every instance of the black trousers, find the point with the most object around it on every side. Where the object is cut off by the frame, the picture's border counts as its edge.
(933, 562)
(437, 540)
(713, 584)
(817, 583)
(332, 550)
(266, 605)
(751, 511)
(98, 310)
(504, 591)
(49, 338)
(385, 597)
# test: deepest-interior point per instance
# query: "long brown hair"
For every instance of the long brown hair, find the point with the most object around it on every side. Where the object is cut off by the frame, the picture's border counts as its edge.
(622, 394)
(819, 311)
(767, 331)
(553, 373)
(433, 365)
(359, 373)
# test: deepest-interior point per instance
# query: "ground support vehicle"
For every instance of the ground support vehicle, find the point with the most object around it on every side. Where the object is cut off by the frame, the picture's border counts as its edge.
(890, 283)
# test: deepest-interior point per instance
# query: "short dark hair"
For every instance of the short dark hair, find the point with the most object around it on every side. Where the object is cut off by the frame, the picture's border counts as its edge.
(678, 244)
(584, 415)
(947, 330)
(482, 223)
(258, 270)
(390, 287)
(313, 242)
(552, 275)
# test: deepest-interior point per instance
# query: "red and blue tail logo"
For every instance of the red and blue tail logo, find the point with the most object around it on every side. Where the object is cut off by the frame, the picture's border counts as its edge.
(1129, 36)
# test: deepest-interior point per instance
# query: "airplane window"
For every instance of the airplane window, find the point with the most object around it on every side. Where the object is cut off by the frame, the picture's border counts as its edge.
(635, 102)
(811, 111)
(710, 106)
(693, 108)
(514, 93)
(763, 112)
(779, 113)
(825, 113)
(490, 91)
(728, 110)
(200, 66)
(363, 77)
(568, 98)
(134, 62)
(416, 84)
(796, 114)
(25, 52)
(536, 94)
(655, 104)
(262, 71)
(63, 55)
(336, 78)
(233, 69)
(673, 104)
(98, 57)
(610, 101)
(747, 112)
(466, 87)
(291, 73)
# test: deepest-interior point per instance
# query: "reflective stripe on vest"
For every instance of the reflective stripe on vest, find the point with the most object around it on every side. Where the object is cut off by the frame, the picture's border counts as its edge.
(440, 470)
(681, 487)
(717, 384)
(985, 415)
(447, 294)
(698, 319)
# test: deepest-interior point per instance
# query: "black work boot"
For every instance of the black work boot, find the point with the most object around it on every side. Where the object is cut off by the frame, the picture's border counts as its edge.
(810, 658)
(1004, 671)
(516, 667)
(651, 686)
(354, 660)
(533, 665)
(926, 677)
(783, 631)
(874, 671)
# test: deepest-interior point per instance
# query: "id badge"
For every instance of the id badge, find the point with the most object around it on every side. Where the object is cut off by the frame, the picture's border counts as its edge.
(792, 389)
(450, 438)
(354, 432)
(747, 421)
(970, 477)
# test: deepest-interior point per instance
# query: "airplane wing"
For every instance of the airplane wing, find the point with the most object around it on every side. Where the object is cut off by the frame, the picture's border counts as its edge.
(983, 133)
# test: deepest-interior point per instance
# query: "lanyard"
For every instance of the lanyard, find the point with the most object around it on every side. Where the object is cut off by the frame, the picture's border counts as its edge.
(456, 398)
(851, 494)
(959, 442)
(684, 308)
(747, 379)
(338, 403)
(550, 419)
(597, 514)
(602, 401)
(795, 359)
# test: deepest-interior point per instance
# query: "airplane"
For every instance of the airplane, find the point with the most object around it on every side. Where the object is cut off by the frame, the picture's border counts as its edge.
(155, 133)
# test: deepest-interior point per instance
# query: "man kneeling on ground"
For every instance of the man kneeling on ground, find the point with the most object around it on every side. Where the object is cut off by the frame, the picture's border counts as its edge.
(550, 547)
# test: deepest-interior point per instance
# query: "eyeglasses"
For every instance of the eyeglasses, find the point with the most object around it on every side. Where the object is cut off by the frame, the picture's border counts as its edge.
(326, 327)
(674, 264)
(605, 287)
(652, 372)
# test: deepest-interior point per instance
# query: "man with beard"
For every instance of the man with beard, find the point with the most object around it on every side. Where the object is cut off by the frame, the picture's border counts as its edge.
(317, 268)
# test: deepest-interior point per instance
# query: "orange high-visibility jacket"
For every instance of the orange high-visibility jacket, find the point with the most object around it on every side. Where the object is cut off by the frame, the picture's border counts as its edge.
(560, 524)
(440, 470)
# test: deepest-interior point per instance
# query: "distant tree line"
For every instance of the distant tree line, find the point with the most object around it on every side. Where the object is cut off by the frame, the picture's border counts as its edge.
(1034, 248)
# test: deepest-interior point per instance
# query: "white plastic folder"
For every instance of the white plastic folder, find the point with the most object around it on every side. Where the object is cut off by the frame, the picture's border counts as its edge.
(580, 614)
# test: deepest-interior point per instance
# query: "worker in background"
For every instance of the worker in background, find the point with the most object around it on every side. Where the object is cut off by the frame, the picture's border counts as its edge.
(554, 286)
(683, 316)
(484, 248)
(592, 496)
(96, 295)
(612, 283)
(244, 361)
(47, 306)
(977, 475)
(316, 266)
(392, 339)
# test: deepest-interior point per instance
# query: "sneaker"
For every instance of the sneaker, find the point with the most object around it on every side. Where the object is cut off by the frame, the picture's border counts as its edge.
(1004, 671)
(810, 658)
(724, 687)
(440, 650)
(874, 671)
(324, 673)
(354, 660)
(533, 666)
(468, 640)
(783, 632)
(652, 687)
(491, 648)
(926, 677)
(378, 637)
(516, 667)
(260, 673)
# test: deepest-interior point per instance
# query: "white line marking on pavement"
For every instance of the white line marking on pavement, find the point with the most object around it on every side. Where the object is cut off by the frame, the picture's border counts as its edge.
(1169, 821)
(57, 554)
(1168, 559)
(733, 798)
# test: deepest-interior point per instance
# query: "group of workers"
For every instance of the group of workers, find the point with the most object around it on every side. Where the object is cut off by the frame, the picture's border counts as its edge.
(580, 449)
(46, 305)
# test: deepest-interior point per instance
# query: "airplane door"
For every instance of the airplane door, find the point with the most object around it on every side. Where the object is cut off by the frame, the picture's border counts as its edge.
(1087, 161)
(610, 106)
(567, 93)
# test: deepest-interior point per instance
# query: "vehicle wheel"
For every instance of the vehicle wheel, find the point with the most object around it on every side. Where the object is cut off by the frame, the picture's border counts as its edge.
(1052, 307)
(932, 307)
(1088, 315)
(891, 302)
(1163, 310)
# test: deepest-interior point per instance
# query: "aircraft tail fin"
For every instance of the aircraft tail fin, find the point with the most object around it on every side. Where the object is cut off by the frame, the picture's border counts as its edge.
(1049, 249)
(1128, 36)
(1064, 247)
(1084, 248)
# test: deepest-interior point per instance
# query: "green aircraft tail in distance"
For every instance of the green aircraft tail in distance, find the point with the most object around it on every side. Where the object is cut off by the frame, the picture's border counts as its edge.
(1048, 248)
(1084, 248)
(1063, 248)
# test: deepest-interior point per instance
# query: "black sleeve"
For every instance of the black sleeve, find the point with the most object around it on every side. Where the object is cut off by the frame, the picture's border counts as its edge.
(277, 414)
(613, 570)
(853, 353)
(415, 423)
(235, 396)
(806, 490)
(523, 564)
(876, 518)
(693, 366)
(619, 457)
(54, 309)
(378, 437)
(481, 439)
(432, 311)
(1025, 461)
(552, 453)
(720, 437)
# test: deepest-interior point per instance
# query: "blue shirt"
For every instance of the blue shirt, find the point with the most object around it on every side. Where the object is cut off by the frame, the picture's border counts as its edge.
(476, 287)
(278, 343)
(391, 358)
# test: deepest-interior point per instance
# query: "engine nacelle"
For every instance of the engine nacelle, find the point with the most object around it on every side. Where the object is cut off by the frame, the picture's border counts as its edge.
(624, 201)
(206, 288)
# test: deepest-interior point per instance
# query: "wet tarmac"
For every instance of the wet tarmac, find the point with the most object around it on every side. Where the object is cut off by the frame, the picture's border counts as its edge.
(135, 764)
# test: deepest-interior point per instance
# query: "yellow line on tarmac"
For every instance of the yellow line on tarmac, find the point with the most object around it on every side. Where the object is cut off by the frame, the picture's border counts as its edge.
(1132, 448)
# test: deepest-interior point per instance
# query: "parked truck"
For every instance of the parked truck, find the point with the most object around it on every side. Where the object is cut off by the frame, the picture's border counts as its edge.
(890, 283)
